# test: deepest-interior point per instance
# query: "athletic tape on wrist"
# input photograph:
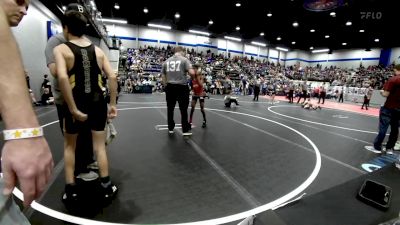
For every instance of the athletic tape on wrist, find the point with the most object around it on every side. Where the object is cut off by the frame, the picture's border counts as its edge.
(22, 133)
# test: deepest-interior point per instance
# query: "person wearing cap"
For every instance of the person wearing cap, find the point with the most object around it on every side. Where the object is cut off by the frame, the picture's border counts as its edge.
(84, 147)
(79, 65)
(174, 76)
(198, 93)
(26, 157)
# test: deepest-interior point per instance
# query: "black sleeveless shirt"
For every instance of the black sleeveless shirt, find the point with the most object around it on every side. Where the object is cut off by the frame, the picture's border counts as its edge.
(85, 76)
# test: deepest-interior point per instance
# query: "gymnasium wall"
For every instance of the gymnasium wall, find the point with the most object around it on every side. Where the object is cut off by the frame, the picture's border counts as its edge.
(303, 57)
(31, 36)
(297, 57)
(346, 58)
(132, 36)
(139, 36)
(395, 56)
(291, 58)
(342, 58)
(273, 55)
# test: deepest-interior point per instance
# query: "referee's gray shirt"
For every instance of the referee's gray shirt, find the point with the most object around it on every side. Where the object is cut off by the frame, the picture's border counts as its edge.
(175, 69)
(53, 42)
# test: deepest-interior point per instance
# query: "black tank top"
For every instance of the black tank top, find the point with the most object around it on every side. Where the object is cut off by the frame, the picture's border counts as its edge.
(85, 76)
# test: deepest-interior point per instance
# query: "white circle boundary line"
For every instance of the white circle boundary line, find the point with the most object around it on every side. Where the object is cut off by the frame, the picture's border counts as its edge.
(322, 124)
(359, 113)
(81, 221)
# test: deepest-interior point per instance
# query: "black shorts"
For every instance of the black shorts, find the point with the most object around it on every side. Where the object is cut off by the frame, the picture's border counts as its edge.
(195, 98)
(97, 117)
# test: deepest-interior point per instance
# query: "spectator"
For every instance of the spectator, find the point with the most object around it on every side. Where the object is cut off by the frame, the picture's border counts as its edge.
(26, 159)
(389, 115)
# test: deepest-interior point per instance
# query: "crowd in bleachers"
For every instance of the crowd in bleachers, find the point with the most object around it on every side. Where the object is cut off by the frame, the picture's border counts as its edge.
(241, 74)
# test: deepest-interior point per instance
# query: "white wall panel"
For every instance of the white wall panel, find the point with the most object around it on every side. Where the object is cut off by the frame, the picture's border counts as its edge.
(31, 36)
(395, 57)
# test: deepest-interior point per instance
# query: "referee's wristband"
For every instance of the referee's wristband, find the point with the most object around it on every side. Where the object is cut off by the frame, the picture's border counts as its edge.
(22, 133)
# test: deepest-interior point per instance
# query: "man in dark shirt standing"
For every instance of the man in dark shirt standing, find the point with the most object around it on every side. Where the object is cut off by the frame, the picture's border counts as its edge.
(322, 94)
(341, 92)
(291, 92)
(389, 115)
(174, 72)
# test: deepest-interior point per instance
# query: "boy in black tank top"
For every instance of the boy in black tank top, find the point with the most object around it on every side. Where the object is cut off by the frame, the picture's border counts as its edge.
(79, 65)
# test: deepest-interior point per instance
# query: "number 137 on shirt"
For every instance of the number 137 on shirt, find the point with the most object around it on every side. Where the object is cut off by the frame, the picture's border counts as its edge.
(173, 66)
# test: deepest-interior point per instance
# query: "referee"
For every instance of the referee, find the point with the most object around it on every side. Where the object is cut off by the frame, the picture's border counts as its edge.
(174, 75)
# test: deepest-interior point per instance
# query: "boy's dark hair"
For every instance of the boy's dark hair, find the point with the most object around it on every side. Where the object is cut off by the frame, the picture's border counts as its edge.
(76, 7)
(76, 23)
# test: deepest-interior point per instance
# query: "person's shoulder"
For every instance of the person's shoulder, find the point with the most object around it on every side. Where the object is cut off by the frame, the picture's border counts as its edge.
(60, 47)
(98, 51)
(57, 48)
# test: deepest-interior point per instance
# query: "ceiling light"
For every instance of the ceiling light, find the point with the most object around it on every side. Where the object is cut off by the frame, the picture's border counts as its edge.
(145, 10)
(311, 48)
(377, 40)
(238, 4)
(159, 26)
(262, 34)
(320, 51)
(295, 24)
(199, 32)
(293, 42)
(269, 14)
(349, 23)
(232, 38)
(278, 38)
(327, 36)
(344, 43)
(114, 21)
(237, 28)
(259, 44)
(177, 15)
(211, 22)
(64, 7)
(362, 31)
(333, 14)
(312, 30)
(282, 49)
(116, 6)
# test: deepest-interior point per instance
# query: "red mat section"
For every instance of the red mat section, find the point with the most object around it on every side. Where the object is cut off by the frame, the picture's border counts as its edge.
(336, 105)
